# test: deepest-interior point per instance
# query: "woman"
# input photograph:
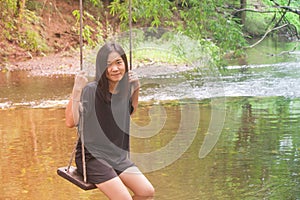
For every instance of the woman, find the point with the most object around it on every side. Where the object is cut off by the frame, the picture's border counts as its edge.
(107, 104)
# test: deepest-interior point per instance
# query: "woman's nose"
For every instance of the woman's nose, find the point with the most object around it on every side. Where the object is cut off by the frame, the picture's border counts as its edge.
(114, 68)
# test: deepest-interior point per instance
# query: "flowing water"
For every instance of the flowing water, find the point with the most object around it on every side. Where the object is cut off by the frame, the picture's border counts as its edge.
(196, 135)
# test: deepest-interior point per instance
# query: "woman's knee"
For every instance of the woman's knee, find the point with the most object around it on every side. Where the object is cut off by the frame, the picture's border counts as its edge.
(151, 190)
(137, 182)
(146, 191)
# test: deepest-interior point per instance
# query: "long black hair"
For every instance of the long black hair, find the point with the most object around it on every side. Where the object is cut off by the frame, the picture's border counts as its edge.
(113, 110)
(101, 68)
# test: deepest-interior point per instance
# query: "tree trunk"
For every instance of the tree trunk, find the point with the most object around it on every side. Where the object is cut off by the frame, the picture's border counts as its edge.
(243, 13)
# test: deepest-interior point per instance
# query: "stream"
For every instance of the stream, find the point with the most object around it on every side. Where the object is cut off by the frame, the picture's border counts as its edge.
(206, 134)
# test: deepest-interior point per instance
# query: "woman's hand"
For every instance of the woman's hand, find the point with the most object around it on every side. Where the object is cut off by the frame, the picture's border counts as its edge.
(135, 86)
(133, 80)
(80, 82)
(72, 109)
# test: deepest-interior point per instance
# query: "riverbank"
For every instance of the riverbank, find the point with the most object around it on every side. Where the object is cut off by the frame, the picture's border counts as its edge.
(60, 63)
(68, 63)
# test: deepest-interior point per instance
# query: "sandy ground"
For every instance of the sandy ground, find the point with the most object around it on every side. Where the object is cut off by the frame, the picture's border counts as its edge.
(63, 63)
(68, 63)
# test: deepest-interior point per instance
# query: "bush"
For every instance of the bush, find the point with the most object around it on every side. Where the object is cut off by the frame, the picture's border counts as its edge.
(32, 41)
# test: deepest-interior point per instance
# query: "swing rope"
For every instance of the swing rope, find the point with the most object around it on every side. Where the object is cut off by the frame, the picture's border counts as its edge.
(130, 35)
(72, 156)
(81, 121)
(80, 129)
(80, 31)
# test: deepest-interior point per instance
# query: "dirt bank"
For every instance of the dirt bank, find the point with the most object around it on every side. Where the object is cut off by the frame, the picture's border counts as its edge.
(58, 28)
(60, 63)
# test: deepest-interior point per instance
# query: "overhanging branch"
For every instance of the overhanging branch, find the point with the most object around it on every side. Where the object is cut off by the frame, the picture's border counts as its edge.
(253, 10)
(290, 9)
(287, 8)
(265, 35)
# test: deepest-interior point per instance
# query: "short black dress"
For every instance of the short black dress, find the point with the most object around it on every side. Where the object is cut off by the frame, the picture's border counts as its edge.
(106, 136)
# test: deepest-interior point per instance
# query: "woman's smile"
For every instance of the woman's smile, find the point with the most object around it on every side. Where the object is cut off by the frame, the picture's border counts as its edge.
(116, 77)
(115, 68)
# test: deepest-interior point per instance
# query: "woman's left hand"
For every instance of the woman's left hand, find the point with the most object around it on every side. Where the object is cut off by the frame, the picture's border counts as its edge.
(133, 80)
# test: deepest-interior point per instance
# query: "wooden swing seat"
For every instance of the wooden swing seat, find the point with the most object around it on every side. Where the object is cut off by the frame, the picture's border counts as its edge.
(74, 177)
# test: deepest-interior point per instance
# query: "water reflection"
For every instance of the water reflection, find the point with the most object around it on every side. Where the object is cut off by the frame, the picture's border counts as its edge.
(21, 88)
(256, 157)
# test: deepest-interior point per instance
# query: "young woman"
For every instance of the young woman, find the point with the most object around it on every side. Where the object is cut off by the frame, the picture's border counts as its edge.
(103, 108)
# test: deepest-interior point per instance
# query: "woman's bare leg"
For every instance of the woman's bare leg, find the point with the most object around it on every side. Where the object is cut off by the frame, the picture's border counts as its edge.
(135, 180)
(114, 189)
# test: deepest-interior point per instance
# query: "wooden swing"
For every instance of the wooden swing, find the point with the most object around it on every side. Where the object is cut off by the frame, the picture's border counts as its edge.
(69, 172)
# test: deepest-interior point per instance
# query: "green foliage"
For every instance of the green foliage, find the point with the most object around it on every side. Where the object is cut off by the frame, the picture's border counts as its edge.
(154, 13)
(170, 48)
(23, 29)
(8, 9)
(204, 21)
(188, 49)
(32, 41)
(120, 9)
(257, 23)
(221, 28)
(29, 36)
(209, 22)
(88, 31)
(96, 2)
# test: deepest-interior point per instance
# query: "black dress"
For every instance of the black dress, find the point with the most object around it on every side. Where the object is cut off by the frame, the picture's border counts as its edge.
(106, 135)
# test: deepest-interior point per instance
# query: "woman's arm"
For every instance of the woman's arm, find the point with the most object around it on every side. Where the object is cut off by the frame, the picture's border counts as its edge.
(72, 112)
(72, 109)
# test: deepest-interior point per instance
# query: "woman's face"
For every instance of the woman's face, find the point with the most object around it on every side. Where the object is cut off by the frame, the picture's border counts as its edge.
(115, 67)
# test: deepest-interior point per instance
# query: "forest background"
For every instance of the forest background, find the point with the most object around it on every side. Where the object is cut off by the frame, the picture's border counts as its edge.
(35, 28)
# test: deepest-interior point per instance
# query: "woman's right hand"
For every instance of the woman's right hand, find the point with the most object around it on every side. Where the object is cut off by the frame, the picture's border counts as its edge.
(72, 114)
